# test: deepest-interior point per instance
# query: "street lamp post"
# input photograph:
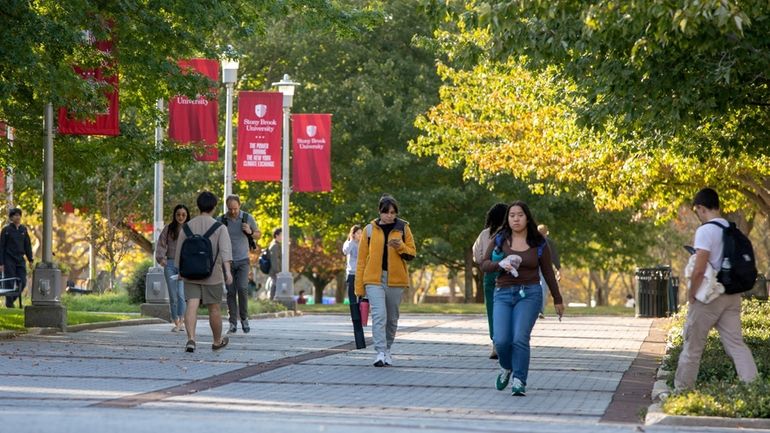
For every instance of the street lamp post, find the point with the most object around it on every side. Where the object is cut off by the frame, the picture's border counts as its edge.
(46, 309)
(284, 292)
(229, 77)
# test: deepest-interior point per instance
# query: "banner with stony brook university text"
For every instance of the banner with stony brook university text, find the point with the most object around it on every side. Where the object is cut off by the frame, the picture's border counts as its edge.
(259, 136)
(194, 121)
(311, 161)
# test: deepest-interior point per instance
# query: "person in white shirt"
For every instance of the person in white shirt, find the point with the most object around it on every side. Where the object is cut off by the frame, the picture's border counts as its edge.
(723, 313)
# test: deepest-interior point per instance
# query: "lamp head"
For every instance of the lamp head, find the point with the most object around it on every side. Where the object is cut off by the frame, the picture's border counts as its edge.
(286, 86)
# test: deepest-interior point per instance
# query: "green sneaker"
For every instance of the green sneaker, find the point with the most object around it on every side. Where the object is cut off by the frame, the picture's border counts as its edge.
(517, 388)
(502, 379)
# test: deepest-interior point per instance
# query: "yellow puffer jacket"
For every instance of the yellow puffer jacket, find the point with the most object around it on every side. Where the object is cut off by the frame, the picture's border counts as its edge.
(369, 265)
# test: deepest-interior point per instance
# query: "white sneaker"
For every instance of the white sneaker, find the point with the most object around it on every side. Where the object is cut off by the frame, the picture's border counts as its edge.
(388, 358)
(379, 361)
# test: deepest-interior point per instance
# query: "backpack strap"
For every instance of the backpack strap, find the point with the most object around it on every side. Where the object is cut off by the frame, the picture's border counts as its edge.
(540, 249)
(187, 231)
(369, 233)
(717, 224)
(211, 229)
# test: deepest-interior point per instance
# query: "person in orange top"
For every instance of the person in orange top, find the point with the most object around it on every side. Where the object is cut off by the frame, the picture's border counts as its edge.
(381, 273)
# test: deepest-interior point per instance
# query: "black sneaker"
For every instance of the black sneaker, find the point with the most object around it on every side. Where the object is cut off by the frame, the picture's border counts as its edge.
(233, 328)
(245, 326)
(190, 346)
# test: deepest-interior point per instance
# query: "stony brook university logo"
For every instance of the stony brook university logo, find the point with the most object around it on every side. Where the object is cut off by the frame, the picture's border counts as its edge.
(260, 110)
(311, 130)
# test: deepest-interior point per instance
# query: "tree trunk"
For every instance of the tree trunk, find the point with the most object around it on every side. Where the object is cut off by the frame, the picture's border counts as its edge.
(468, 275)
(452, 284)
(342, 292)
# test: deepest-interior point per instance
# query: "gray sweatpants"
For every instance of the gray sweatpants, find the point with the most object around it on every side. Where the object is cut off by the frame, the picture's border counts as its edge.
(384, 302)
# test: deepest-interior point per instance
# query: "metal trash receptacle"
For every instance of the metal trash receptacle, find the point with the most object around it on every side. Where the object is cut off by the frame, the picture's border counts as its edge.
(653, 291)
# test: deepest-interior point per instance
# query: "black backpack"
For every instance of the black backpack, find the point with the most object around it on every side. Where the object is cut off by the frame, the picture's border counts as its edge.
(739, 267)
(196, 257)
(264, 261)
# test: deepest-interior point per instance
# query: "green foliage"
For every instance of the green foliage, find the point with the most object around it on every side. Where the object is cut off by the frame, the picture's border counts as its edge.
(718, 390)
(136, 283)
(106, 302)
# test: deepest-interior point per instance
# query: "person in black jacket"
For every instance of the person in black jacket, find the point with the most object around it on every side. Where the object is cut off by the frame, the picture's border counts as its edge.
(14, 245)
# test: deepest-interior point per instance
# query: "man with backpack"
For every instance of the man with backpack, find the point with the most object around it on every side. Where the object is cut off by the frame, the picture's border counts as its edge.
(243, 232)
(714, 244)
(204, 259)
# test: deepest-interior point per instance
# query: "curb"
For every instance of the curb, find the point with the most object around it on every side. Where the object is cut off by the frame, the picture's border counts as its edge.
(656, 416)
(9, 335)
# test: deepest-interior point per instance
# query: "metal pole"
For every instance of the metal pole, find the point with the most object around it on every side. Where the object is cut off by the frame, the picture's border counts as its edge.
(228, 146)
(158, 195)
(285, 194)
(9, 174)
(48, 188)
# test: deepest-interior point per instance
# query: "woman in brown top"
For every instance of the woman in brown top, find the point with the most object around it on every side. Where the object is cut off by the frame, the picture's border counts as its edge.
(164, 254)
(518, 294)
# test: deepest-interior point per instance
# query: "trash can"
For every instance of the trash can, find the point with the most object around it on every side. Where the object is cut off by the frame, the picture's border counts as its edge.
(673, 296)
(759, 291)
(653, 290)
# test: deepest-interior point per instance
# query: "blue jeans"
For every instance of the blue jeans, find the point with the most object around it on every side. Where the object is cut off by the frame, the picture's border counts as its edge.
(514, 317)
(175, 291)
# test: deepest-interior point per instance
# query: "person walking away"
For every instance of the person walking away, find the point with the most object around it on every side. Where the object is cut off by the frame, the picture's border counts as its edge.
(382, 274)
(350, 250)
(207, 290)
(518, 298)
(722, 313)
(164, 255)
(496, 216)
(15, 244)
(543, 229)
(240, 226)
(276, 256)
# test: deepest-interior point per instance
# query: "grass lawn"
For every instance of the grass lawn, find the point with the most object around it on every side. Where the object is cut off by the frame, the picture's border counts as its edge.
(12, 319)
(470, 309)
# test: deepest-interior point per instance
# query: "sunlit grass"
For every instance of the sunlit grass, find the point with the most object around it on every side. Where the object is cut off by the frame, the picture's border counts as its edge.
(13, 319)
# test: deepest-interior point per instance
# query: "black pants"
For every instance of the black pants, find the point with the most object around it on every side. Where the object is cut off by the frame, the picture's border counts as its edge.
(14, 270)
(355, 313)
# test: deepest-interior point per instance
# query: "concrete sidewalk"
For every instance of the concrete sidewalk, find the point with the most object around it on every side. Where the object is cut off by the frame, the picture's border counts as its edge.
(302, 374)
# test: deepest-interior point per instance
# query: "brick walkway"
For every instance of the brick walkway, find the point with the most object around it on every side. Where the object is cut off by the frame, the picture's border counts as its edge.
(303, 374)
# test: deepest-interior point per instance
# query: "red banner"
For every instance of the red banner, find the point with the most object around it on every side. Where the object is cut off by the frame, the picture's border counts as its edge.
(195, 121)
(105, 123)
(312, 145)
(2, 181)
(259, 136)
(3, 129)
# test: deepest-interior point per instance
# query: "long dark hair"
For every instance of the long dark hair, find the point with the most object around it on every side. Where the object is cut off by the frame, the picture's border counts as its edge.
(534, 237)
(496, 216)
(174, 227)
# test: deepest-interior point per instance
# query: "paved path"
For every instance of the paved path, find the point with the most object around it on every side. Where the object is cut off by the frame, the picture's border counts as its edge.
(302, 374)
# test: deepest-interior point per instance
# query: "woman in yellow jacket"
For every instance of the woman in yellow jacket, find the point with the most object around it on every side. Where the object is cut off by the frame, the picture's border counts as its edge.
(381, 273)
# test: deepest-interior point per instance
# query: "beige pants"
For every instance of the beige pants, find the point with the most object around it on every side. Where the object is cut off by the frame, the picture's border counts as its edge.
(724, 314)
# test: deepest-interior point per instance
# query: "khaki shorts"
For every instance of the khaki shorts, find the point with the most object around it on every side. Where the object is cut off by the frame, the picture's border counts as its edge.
(207, 293)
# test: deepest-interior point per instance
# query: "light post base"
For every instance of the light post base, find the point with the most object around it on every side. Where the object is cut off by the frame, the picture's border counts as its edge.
(46, 310)
(284, 290)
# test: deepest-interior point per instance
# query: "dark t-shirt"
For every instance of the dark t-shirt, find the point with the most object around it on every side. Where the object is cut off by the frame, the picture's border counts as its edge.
(386, 229)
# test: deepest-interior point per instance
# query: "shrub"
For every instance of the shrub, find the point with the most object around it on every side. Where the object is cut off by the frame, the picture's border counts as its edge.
(718, 391)
(136, 282)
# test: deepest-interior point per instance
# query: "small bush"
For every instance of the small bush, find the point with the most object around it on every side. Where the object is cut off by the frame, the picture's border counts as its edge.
(718, 391)
(136, 282)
